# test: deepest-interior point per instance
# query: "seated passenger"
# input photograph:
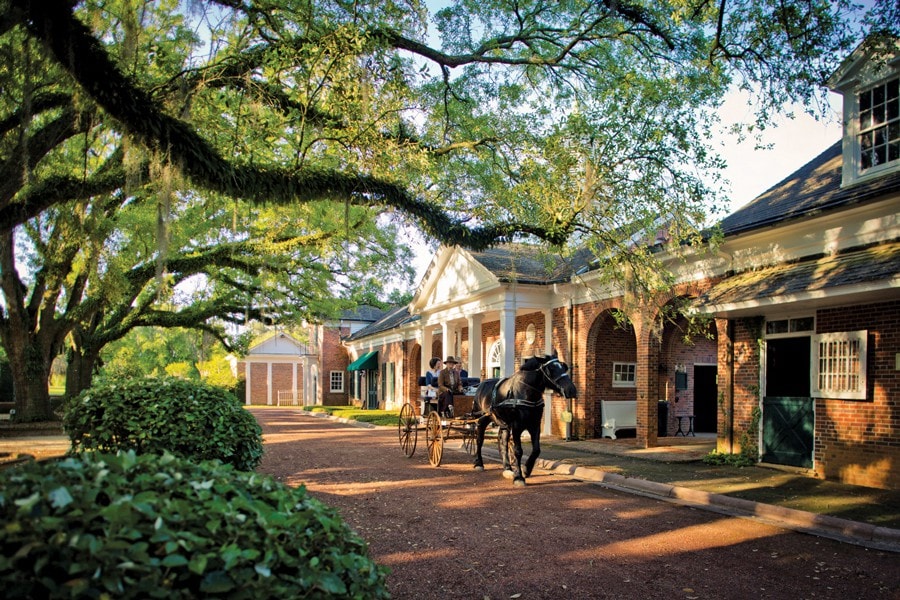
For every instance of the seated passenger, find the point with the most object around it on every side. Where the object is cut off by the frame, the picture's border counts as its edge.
(449, 383)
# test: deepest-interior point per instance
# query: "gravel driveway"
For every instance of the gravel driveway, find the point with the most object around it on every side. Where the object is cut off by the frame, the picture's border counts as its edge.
(450, 532)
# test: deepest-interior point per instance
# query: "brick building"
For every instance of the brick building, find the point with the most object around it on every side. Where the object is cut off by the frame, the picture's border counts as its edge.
(799, 362)
(280, 370)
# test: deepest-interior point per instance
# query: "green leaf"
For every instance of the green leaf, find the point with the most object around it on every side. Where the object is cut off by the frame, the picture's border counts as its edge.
(60, 497)
(198, 564)
(216, 582)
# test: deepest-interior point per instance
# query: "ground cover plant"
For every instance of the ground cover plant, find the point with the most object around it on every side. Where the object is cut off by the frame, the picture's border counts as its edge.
(128, 525)
(355, 413)
(152, 415)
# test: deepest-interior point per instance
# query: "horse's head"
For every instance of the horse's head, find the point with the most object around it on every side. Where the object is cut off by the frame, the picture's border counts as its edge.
(555, 372)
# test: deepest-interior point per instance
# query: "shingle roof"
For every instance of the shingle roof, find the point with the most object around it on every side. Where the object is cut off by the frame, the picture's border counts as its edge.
(861, 266)
(392, 319)
(813, 188)
(526, 263)
(363, 313)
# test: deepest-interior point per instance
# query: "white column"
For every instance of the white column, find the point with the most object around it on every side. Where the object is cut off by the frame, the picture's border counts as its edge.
(475, 350)
(427, 341)
(446, 341)
(548, 331)
(508, 339)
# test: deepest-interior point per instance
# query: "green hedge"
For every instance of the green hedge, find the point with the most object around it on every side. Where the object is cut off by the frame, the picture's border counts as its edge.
(157, 526)
(154, 415)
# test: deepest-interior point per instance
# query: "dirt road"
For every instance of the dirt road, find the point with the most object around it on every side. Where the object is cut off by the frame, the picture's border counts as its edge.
(450, 532)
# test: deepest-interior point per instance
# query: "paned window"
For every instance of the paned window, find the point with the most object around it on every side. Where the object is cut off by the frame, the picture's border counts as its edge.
(879, 125)
(624, 374)
(839, 365)
(337, 381)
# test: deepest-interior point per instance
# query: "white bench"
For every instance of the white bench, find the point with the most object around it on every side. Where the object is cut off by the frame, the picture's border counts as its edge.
(618, 414)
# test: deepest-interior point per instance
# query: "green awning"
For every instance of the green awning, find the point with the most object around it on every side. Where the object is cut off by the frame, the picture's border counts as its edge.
(366, 362)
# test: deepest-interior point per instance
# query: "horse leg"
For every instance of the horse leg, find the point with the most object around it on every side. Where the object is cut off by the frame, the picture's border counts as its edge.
(534, 430)
(480, 428)
(503, 447)
(518, 477)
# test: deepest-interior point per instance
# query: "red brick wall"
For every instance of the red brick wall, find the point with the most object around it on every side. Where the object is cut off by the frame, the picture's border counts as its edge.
(747, 333)
(858, 441)
(282, 379)
(259, 383)
(674, 351)
(333, 357)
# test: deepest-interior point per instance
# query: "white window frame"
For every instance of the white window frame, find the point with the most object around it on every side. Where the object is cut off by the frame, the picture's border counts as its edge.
(871, 126)
(624, 368)
(847, 364)
(495, 360)
(339, 377)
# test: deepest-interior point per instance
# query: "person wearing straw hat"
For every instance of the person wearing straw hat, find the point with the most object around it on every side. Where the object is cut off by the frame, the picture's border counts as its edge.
(449, 383)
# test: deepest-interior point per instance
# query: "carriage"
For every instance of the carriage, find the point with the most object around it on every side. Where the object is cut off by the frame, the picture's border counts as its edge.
(515, 404)
(437, 428)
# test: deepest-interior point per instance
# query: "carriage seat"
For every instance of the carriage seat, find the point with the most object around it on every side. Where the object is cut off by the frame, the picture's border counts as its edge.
(618, 414)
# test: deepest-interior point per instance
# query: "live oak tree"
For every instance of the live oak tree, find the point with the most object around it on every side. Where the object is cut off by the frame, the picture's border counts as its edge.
(580, 122)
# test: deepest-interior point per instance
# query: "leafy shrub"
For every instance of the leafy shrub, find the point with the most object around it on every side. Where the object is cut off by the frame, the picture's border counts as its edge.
(724, 458)
(152, 415)
(157, 526)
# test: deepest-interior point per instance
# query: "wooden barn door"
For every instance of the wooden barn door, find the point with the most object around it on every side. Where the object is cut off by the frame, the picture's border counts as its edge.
(788, 418)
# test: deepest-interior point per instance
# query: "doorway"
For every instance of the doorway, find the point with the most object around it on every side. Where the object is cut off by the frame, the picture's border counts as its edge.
(705, 399)
(788, 418)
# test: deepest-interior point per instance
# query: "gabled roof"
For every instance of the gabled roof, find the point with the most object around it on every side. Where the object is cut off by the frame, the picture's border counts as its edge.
(392, 319)
(280, 344)
(813, 188)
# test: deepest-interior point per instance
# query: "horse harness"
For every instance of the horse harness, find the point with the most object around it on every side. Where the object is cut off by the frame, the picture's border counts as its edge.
(524, 402)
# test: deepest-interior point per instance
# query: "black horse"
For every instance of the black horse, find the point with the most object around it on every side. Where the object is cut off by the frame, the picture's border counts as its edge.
(516, 404)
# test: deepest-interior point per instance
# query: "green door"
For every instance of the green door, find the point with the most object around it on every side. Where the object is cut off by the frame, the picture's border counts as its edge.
(788, 431)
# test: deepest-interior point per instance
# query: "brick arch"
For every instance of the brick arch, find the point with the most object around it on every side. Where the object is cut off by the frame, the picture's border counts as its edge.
(607, 342)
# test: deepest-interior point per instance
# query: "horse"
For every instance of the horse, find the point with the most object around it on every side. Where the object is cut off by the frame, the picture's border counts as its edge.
(516, 404)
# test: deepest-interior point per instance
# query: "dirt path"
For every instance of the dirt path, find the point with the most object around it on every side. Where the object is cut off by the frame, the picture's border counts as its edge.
(450, 532)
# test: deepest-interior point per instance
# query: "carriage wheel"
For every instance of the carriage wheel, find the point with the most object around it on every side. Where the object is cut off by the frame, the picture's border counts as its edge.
(408, 429)
(434, 439)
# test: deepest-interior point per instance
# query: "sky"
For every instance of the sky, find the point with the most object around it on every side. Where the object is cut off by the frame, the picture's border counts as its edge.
(794, 142)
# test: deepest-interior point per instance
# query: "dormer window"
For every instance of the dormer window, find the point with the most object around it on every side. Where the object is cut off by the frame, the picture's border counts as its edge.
(869, 81)
(879, 124)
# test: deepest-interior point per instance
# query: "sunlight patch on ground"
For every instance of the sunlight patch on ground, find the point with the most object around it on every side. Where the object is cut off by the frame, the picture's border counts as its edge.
(691, 539)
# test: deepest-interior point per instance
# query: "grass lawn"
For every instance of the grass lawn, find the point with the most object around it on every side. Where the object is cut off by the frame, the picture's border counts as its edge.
(355, 413)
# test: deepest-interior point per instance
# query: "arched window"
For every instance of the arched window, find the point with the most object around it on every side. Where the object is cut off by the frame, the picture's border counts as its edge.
(495, 359)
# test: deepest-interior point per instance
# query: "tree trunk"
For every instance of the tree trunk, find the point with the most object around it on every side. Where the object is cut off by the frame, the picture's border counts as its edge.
(31, 374)
(79, 370)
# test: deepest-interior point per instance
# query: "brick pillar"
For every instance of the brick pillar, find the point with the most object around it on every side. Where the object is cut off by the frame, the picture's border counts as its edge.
(647, 379)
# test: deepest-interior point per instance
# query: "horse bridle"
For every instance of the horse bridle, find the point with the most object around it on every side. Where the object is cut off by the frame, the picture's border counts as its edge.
(554, 381)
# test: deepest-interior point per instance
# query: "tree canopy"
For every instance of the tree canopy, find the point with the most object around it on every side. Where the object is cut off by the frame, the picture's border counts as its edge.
(131, 130)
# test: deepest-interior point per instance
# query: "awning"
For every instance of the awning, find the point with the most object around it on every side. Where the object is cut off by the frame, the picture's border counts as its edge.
(366, 362)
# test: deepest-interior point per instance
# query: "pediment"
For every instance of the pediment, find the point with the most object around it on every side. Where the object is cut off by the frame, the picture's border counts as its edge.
(280, 344)
(452, 276)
